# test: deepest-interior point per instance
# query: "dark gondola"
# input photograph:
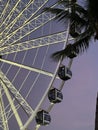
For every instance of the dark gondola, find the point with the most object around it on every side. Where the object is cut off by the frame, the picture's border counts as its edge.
(64, 73)
(43, 117)
(55, 95)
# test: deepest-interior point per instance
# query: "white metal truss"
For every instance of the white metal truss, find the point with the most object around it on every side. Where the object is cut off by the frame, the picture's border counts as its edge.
(35, 43)
(18, 23)
(51, 83)
(16, 94)
(3, 5)
(27, 68)
(49, 86)
(21, 14)
(7, 17)
(60, 88)
(3, 11)
(11, 104)
(27, 28)
(3, 118)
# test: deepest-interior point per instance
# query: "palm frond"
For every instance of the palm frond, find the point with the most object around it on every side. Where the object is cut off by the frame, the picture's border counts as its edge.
(53, 10)
(79, 46)
(81, 10)
(61, 14)
(57, 55)
(83, 41)
(93, 8)
(78, 19)
(66, 3)
(63, 53)
(85, 19)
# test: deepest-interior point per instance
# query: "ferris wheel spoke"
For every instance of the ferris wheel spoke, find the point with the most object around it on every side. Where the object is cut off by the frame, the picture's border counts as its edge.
(24, 15)
(2, 14)
(19, 121)
(12, 17)
(35, 43)
(15, 4)
(9, 113)
(61, 85)
(16, 94)
(27, 67)
(3, 118)
(28, 28)
(24, 42)
(2, 8)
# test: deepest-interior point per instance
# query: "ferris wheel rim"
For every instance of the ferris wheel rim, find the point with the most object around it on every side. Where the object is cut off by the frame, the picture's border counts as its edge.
(6, 51)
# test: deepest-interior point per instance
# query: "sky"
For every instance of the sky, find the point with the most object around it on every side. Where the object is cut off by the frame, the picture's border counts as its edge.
(77, 110)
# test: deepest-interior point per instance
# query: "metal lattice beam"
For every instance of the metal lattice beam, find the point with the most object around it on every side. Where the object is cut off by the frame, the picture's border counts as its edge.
(35, 43)
(3, 6)
(11, 12)
(28, 68)
(22, 15)
(16, 94)
(3, 12)
(11, 103)
(28, 28)
(3, 114)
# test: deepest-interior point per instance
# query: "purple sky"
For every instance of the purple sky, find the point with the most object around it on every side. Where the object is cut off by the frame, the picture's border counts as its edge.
(77, 110)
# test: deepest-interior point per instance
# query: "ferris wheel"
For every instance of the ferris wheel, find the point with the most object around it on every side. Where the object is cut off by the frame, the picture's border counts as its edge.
(30, 82)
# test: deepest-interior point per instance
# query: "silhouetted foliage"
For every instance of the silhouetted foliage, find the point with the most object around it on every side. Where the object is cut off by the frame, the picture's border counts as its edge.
(84, 19)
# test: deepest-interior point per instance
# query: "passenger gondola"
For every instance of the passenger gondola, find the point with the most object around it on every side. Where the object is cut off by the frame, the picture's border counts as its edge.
(55, 95)
(43, 117)
(64, 73)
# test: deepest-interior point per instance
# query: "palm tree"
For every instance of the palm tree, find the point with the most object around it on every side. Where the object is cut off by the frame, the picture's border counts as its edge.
(86, 19)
